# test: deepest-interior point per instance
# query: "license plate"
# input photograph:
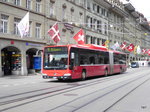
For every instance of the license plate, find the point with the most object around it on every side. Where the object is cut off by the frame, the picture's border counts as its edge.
(54, 77)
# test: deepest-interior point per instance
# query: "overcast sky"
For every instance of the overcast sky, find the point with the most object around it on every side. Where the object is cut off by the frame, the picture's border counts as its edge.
(142, 6)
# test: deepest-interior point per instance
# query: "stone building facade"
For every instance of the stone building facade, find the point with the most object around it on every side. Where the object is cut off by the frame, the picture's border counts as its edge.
(101, 20)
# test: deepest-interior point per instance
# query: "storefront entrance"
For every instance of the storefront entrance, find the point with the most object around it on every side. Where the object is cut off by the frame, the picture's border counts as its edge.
(11, 60)
(30, 60)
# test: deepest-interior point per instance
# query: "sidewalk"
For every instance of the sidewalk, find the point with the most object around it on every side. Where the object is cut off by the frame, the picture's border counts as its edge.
(20, 77)
(15, 81)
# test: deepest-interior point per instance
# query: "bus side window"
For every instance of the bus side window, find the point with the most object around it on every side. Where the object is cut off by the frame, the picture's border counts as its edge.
(92, 60)
(100, 60)
(106, 60)
(76, 60)
(83, 60)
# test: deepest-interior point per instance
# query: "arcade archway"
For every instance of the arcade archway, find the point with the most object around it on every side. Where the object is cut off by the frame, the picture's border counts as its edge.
(30, 53)
(11, 60)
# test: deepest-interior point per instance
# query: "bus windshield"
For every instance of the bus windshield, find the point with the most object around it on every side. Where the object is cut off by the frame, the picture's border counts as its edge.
(55, 58)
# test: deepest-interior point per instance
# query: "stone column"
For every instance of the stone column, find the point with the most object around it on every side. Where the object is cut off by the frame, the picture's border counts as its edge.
(1, 72)
(23, 63)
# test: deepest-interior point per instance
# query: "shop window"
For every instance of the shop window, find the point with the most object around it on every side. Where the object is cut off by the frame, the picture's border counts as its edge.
(16, 62)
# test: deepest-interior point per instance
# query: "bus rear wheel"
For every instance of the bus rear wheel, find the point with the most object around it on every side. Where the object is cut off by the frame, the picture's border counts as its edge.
(83, 75)
(106, 73)
(121, 70)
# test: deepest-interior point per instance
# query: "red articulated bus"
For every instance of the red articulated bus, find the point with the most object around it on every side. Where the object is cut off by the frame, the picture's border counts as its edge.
(81, 61)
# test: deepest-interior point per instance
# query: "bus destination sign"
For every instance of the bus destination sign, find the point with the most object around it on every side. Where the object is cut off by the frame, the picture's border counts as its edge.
(55, 49)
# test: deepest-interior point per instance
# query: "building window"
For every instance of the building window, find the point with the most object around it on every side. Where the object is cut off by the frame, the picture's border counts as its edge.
(98, 9)
(91, 22)
(99, 26)
(98, 41)
(28, 4)
(64, 14)
(88, 20)
(71, 14)
(88, 4)
(81, 2)
(103, 12)
(94, 7)
(16, 21)
(93, 39)
(51, 9)
(95, 24)
(17, 2)
(87, 39)
(4, 23)
(81, 17)
(105, 29)
(38, 30)
(38, 6)
(103, 41)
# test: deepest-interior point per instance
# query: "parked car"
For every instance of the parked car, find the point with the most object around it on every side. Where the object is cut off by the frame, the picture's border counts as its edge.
(134, 64)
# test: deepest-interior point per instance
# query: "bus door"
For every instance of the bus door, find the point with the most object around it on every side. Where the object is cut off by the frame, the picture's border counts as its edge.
(74, 63)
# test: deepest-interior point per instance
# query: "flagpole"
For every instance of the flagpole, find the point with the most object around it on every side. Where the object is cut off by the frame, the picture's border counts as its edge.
(129, 59)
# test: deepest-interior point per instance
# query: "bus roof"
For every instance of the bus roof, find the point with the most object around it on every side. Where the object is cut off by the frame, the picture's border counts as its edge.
(85, 46)
(88, 46)
(91, 46)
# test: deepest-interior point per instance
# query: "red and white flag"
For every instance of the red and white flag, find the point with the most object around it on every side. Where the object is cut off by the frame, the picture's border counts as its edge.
(148, 52)
(123, 45)
(23, 25)
(144, 51)
(54, 33)
(79, 37)
(130, 47)
(115, 46)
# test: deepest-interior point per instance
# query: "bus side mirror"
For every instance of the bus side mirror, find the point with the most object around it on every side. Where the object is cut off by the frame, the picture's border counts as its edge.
(72, 55)
(72, 61)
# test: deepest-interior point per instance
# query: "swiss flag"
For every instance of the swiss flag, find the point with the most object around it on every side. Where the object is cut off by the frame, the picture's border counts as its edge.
(54, 33)
(130, 47)
(79, 37)
(123, 45)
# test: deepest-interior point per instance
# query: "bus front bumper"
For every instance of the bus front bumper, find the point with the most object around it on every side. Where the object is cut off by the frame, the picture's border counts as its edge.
(56, 77)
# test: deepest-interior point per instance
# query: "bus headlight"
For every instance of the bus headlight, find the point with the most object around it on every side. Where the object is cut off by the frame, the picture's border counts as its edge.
(67, 74)
(44, 74)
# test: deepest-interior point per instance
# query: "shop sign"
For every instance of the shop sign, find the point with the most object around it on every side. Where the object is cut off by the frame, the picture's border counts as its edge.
(68, 26)
(16, 55)
(33, 44)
